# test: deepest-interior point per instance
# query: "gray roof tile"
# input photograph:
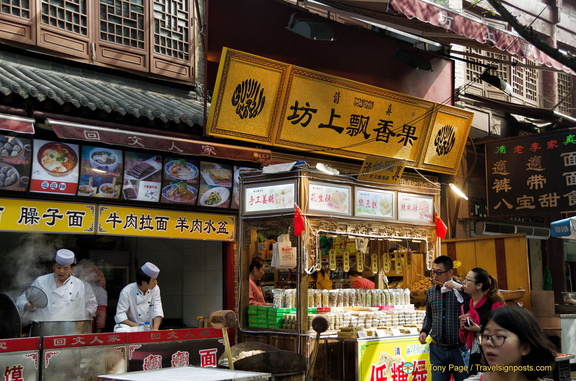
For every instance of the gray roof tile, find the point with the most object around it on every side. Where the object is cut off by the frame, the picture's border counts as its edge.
(42, 79)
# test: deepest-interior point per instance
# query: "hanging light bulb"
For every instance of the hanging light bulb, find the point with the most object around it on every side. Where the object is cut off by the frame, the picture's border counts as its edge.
(458, 191)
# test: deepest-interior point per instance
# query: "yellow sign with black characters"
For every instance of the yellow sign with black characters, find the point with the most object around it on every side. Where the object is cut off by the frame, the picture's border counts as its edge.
(266, 101)
(120, 220)
(17, 215)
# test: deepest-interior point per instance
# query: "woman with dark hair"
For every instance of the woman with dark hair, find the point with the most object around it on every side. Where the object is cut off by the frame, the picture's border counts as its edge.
(483, 288)
(256, 272)
(320, 280)
(514, 347)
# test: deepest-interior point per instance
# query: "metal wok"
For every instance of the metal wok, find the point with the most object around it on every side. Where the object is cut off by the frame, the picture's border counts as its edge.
(60, 327)
(10, 323)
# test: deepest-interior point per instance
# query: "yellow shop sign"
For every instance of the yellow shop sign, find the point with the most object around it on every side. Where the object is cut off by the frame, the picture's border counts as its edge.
(120, 220)
(46, 216)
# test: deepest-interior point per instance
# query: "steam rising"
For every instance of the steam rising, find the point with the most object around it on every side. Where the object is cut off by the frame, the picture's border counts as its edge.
(24, 257)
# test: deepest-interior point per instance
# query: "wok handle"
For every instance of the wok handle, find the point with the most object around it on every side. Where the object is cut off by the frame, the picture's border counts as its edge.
(313, 360)
(227, 348)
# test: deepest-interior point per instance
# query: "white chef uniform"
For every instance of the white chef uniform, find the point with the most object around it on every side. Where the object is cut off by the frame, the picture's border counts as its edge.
(135, 306)
(71, 301)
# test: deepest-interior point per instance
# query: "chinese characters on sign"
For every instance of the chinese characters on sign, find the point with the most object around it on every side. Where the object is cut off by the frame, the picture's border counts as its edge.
(329, 198)
(318, 112)
(40, 216)
(119, 220)
(415, 208)
(532, 174)
(273, 198)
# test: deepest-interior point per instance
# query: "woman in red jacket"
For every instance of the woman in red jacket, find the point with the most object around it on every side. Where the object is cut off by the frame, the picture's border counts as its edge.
(486, 296)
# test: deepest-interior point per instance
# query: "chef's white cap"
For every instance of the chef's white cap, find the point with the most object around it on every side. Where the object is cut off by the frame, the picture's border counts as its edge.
(65, 257)
(151, 270)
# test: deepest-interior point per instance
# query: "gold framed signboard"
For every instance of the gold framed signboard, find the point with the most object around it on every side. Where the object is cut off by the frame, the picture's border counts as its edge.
(265, 101)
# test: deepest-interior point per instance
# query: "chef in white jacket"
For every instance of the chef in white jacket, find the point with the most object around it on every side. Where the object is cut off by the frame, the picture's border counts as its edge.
(68, 297)
(140, 302)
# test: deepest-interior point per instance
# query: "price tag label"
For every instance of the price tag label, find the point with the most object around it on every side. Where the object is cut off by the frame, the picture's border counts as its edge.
(346, 261)
(414, 330)
(332, 260)
(386, 262)
(396, 332)
(380, 333)
(374, 262)
(362, 334)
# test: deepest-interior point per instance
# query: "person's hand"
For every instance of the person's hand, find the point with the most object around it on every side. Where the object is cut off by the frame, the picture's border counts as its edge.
(453, 285)
(29, 307)
(422, 337)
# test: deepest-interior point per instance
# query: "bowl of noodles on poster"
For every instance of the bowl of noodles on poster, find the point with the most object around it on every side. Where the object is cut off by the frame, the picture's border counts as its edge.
(57, 159)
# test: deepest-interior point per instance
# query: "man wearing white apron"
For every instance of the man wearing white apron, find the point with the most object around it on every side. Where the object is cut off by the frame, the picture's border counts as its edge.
(68, 297)
(140, 302)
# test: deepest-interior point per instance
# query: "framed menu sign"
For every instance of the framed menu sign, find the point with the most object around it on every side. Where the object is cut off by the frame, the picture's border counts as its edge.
(373, 203)
(215, 185)
(142, 176)
(269, 197)
(180, 181)
(15, 160)
(416, 208)
(100, 172)
(54, 167)
(329, 198)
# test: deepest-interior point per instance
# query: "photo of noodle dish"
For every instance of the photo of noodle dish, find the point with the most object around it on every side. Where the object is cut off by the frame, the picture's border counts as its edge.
(181, 170)
(215, 196)
(180, 192)
(57, 159)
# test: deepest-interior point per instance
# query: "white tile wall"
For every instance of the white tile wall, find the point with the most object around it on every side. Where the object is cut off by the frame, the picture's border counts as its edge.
(191, 275)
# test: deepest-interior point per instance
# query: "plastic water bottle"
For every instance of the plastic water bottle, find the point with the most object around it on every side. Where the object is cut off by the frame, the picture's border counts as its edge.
(141, 327)
(147, 326)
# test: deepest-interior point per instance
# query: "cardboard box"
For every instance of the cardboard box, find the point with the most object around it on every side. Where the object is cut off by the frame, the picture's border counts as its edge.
(543, 303)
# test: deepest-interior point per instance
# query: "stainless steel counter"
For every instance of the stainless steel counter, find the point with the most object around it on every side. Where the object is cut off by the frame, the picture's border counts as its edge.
(186, 373)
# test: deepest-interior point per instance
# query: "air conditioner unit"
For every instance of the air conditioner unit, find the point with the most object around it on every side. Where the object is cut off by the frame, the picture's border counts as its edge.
(492, 228)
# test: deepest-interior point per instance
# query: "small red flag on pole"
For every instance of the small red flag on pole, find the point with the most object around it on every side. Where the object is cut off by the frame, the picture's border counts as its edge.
(441, 227)
(299, 221)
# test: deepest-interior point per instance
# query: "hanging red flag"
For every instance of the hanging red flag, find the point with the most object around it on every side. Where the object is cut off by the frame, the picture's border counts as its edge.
(441, 227)
(299, 221)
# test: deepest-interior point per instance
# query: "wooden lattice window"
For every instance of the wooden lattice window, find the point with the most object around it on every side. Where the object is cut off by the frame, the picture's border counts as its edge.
(565, 93)
(17, 8)
(67, 15)
(172, 28)
(476, 66)
(525, 82)
(123, 22)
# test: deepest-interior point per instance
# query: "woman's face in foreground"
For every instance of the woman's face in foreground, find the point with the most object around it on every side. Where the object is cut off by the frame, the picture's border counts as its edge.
(502, 347)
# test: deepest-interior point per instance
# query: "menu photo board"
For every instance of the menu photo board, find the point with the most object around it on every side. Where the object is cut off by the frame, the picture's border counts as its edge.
(100, 172)
(273, 197)
(142, 176)
(374, 203)
(329, 198)
(55, 167)
(180, 181)
(215, 185)
(417, 208)
(15, 163)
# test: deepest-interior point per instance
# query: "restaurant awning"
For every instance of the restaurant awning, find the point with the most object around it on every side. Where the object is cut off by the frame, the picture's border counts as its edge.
(430, 20)
(536, 114)
(140, 140)
(17, 124)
